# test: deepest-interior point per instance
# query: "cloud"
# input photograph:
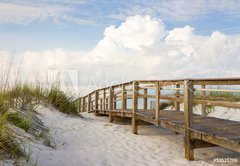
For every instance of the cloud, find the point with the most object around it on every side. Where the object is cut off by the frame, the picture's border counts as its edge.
(84, 12)
(144, 32)
(26, 13)
(141, 48)
(180, 10)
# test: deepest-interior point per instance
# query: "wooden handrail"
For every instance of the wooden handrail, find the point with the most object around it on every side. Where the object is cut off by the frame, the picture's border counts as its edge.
(104, 93)
(106, 100)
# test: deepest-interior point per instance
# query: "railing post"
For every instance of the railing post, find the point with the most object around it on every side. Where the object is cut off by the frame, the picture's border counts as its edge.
(89, 103)
(188, 118)
(104, 99)
(203, 94)
(177, 103)
(107, 105)
(79, 104)
(96, 102)
(145, 99)
(135, 107)
(123, 99)
(101, 102)
(111, 96)
(114, 102)
(83, 105)
(157, 103)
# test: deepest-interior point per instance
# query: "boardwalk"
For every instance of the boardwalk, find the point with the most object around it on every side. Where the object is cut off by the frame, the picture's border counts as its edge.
(131, 100)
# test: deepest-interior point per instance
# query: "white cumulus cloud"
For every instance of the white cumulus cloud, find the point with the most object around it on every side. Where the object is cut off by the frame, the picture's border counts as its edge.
(141, 48)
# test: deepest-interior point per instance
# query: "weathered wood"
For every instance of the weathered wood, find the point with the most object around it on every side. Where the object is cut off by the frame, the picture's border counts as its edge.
(157, 103)
(129, 96)
(83, 104)
(104, 99)
(107, 105)
(176, 103)
(199, 131)
(203, 89)
(203, 106)
(217, 82)
(115, 102)
(79, 105)
(188, 114)
(123, 107)
(96, 100)
(147, 96)
(135, 107)
(201, 144)
(111, 95)
(145, 100)
(101, 104)
(89, 103)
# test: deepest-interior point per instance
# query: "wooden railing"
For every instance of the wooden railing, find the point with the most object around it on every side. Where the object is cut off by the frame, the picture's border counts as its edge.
(187, 91)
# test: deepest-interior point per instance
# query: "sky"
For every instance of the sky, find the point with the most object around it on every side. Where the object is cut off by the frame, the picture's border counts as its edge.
(93, 41)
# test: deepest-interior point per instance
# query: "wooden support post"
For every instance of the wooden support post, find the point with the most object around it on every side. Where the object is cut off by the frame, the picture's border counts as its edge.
(96, 102)
(104, 99)
(83, 105)
(89, 103)
(111, 96)
(115, 103)
(176, 103)
(135, 107)
(188, 118)
(204, 108)
(101, 102)
(123, 107)
(107, 99)
(79, 104)
(157, 103)
(145, 100)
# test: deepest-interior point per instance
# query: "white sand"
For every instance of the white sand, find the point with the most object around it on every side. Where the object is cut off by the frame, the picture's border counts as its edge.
(92, 141)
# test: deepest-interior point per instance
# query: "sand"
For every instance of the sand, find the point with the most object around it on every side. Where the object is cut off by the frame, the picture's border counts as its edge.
(92, 141)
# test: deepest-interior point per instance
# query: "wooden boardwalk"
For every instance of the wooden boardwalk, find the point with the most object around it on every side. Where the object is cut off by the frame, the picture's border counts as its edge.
(199, 131)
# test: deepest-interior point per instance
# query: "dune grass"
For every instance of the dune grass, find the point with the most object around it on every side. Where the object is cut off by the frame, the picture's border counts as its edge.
(16, 107)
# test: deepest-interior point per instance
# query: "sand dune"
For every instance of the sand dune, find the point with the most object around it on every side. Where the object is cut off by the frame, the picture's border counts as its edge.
(92, 141)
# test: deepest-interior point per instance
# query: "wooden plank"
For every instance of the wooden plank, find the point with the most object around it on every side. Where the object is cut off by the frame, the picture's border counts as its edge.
(101, 104)
(79, 104)
(188, 113)
(96, 100)
(217, 90)
(135, 107)
(123, 105)
(157, 103)
(176, 103)
(145, 100)
(203, 106)
(114, 101)
(201, 144)
(217, 82)
(111, 93)
(83, 106)
(129, 96)
(89, 103)
(107, 103)
(104, 99)
(147, 96)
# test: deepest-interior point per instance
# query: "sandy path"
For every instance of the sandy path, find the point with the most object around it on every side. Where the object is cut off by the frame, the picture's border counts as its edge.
(92, 141)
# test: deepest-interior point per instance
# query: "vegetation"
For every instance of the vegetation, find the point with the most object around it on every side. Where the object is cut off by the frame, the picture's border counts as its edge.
(18, 106)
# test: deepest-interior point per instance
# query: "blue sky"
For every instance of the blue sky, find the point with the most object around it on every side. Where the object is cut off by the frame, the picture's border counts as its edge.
(79, 24)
